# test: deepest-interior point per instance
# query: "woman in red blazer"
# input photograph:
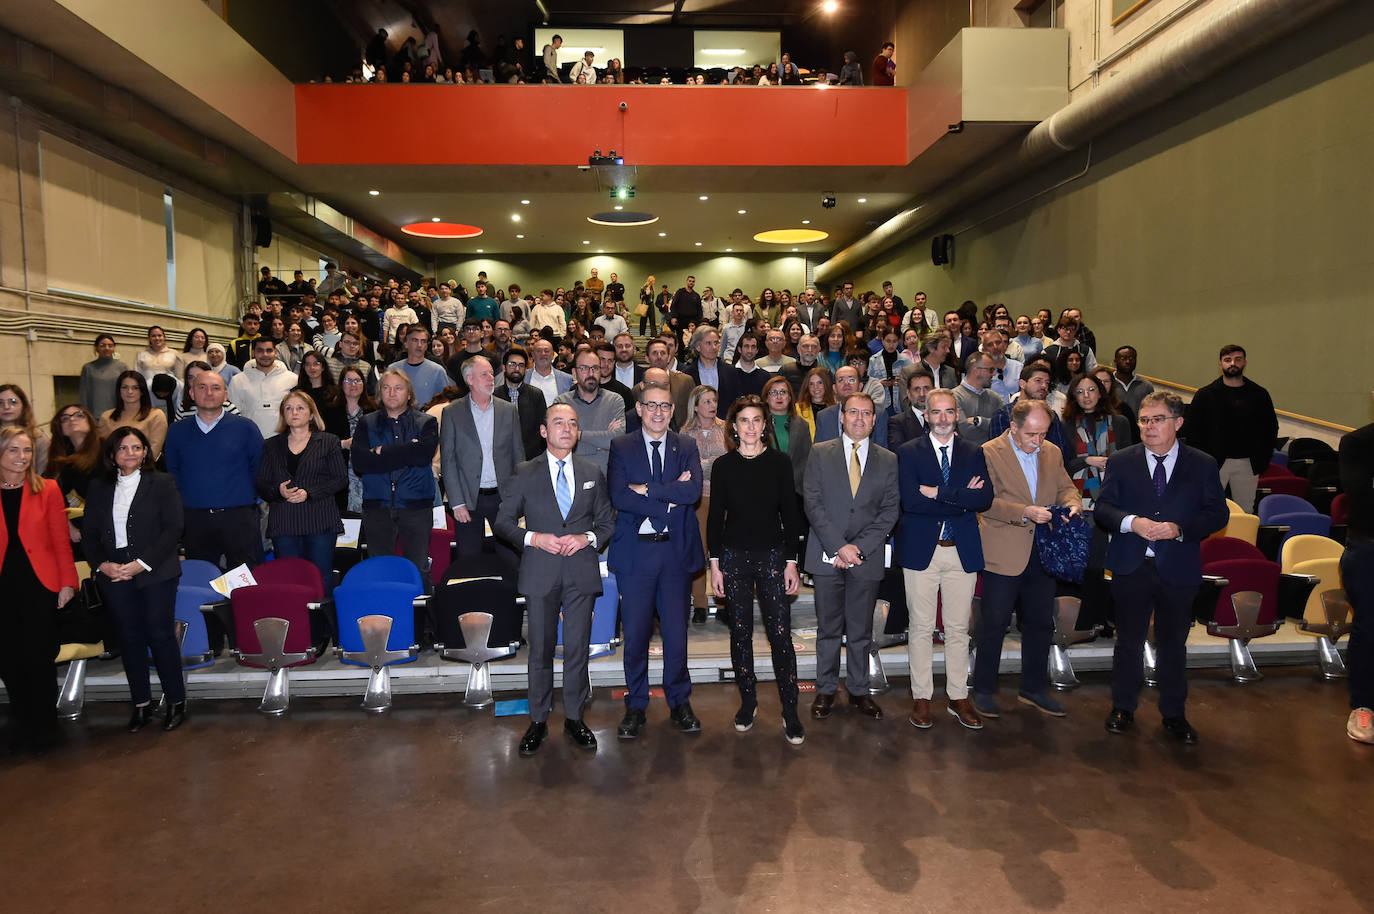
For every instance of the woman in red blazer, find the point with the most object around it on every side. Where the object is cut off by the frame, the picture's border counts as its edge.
(37, 577)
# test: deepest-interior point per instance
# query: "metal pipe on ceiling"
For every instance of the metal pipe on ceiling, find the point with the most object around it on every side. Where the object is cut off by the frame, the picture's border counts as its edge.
(1175, 63)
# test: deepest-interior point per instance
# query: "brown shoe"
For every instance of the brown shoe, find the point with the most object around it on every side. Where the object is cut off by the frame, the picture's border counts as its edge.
(866, 706)
(820, 708)
(961, 709)
(920, 714)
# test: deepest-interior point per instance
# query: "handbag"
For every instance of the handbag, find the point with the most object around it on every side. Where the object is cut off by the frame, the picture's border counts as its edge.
(82, 620)
(1063, 544)
(641, 310)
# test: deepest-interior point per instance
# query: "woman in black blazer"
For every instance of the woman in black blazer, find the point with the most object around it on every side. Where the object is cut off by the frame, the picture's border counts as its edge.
(131, 528)
(302, 469)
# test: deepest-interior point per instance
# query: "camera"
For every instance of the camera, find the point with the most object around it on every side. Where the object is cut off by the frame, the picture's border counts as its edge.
(624, 107)
(828, 202)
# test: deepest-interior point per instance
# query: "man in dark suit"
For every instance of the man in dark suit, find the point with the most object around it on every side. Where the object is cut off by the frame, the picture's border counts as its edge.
(852, 503)
(830, 421)
(479, 448)
(943, 483)
(606, 352)
(568, 518)
(961, 346)
(654, 477)
(708, 368)
(911, 423)
(627, 370)
(1160, 500)
(528, 401)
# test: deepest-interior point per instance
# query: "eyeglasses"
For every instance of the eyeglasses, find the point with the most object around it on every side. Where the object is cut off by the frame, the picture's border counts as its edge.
(1147, 421)
(352, 380)
(9, 401)
(654, 406)
(70, 417)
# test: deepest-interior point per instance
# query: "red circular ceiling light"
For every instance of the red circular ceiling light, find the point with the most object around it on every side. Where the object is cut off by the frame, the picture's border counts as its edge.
(448, 230)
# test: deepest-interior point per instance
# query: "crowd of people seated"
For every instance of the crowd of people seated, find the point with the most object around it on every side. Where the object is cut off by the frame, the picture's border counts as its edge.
(514, 63)
(385, 401)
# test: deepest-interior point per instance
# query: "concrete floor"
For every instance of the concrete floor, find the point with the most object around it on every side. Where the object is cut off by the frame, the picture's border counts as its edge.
(430, 809)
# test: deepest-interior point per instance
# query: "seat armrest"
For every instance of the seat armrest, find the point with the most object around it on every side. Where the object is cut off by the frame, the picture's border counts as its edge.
(1311, 580)
(216, 606)
(1215, 580)
(422, 601)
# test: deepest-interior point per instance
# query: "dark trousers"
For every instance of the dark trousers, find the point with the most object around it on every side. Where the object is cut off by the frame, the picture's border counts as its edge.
(844, 608)
(229, 532)
(471, 537)
(146, 618)
(576, 605)
(1035, 589)
(1139, 595)
(1357, 572)
(383, 527)
(651, 319)
(744, 570)
(28, 644)
(658, 585)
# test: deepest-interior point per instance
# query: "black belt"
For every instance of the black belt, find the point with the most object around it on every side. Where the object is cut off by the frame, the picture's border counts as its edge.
(491, 491)
(654, 537)
(221, 510)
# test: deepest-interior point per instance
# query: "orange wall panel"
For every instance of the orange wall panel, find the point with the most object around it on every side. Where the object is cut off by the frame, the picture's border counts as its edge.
(561, 125)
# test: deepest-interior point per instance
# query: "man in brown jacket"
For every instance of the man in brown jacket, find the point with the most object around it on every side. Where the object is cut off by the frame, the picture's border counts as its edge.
(1027, 473)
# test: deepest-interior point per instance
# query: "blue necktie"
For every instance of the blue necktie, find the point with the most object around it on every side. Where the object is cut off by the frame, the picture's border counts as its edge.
(1159, 478)
(944, 481)
(563, 492)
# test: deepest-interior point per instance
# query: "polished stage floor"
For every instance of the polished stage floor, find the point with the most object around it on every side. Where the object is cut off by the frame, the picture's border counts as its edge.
(429, 808)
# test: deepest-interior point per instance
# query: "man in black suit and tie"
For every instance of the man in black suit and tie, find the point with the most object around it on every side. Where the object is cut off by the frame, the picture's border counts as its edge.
(528, 401)
(852, 503)
(961, 346)
(1160, 500)
(911, 423)
(568, 518)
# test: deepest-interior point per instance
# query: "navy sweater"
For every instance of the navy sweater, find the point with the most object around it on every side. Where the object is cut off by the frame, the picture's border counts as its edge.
(215, 470)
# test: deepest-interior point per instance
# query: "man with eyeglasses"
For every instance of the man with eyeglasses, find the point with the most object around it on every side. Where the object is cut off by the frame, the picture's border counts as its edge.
(654, 478)
(528, 401)
(600, 416)
(1006, 371)
(977, 404)
(1159, 500)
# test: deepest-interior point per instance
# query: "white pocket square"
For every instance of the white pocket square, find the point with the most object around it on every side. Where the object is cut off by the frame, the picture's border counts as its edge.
(590, 484)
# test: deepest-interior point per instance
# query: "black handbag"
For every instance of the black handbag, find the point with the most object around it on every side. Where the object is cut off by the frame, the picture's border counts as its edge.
(82, 620)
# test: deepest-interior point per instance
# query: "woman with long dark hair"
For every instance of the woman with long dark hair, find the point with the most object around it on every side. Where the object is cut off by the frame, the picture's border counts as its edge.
(356, 402)
(131, 529)
(197, 340)
(74, 460)
(317, 381)
(752, 530)
(136, 409)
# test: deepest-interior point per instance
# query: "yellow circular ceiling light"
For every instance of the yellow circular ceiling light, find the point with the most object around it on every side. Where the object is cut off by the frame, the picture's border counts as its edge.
(791, 236)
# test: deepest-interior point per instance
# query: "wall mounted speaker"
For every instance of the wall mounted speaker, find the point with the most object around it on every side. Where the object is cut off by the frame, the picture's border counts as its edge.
(942, 249)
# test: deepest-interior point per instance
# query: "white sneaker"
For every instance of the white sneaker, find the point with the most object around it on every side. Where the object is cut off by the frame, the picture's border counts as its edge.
(1360, 725)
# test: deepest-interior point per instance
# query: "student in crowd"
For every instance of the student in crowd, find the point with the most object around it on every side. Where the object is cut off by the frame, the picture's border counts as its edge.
(135, 408)
(98, 392)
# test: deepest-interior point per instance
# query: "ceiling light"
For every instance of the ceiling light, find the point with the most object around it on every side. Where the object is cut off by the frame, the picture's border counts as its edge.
(621, 219)
(703, 197)
(830, 6)
(663, 234)
(526, 202)
(481, 251)
(795, 249)
(741, 211)
(863, 200)
(601, 250)
(697, 243)
(374, 193)
(728, 250)
(514, 217)
(435, 219)
(448, 230)
(617, 207)
(585, 241)
(806, 222)
(791, 236)
(519, 236)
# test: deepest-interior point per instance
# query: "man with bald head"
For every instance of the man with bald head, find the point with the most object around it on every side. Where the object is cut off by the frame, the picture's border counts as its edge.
(549, 380)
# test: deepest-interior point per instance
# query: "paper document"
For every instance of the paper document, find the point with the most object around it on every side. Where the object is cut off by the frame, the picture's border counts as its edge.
(234, 577)
(352, 533)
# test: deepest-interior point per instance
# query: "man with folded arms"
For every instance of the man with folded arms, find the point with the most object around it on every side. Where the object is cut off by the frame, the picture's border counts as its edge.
(1027, 473)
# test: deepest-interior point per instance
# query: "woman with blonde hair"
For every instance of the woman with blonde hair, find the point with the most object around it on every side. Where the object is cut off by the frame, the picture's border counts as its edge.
(707, 429)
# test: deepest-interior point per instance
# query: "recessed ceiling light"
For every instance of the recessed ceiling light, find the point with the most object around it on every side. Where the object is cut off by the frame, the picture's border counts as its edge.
(480, 251)
(601, 250)
(519, 236)
(697, 243)
(375, 192)
(663, 234)
(703, 197)
(585, 241)
(617, 207)
(795, 249)
(791, 236)
(447, 230)
(526, 202)
(435, 219)
(863, 200)
(741, 211)
(806, 222)
(621, 219)
(514, 217)
(728, 250)
(830, 6)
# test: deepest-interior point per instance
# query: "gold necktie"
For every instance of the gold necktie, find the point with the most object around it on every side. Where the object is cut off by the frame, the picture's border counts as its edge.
(855, 471)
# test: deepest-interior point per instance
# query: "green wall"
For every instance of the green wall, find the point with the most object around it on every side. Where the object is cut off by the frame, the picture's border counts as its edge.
(1241, 212)
(722, 272)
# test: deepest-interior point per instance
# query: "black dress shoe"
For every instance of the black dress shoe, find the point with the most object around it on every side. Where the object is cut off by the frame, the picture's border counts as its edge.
(1181, 730)
(1120, 721)
(176, 716)
(142, 717)
(867, 706)
(534, 737)
(581, 735)
(683, 718)
(630, 724)
(822, 705)
(699, 615)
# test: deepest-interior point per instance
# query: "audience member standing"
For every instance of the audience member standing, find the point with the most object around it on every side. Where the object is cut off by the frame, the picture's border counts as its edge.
(130, 532)
(1357, 575)
(912, 423)
(481, 447)
(600, 415)
(214, 456)
(685, 310)
(99, 390)
(1160, 500)
(528, 401)
(135, 409)
(707, 429)
(567, 520)
(1233, 420)
(752, 530)
(884, 70)
(944, 484)
(977, 403)
(1027, 474)
(38, 577)
(257, 391)
(654, 478)
(1132, 388)
(427, 377)
(852, 503)
(157, 358)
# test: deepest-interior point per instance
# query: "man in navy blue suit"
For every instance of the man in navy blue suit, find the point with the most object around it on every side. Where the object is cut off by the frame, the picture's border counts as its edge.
(1159, 501)
(943, 481)
(654, 477)
(911, 423)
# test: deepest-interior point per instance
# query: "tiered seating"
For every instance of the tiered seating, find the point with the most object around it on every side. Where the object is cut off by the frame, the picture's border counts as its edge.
(278, 625)
(477, 619)
(1282, 516)
(1326, 615)
(376, 605)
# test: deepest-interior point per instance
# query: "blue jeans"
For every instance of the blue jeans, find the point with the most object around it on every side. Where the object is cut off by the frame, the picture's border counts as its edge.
(317, 549)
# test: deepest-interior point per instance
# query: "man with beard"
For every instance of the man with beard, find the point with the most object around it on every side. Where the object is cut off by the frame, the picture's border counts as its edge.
(528, 401)
(1233, 420)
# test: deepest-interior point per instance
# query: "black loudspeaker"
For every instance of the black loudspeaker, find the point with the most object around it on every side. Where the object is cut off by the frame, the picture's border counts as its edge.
(942, 249)
(262, 230)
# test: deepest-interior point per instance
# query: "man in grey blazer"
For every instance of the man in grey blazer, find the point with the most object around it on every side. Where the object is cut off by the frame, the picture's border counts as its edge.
(479, 449)
(568, 519)
(852, 503)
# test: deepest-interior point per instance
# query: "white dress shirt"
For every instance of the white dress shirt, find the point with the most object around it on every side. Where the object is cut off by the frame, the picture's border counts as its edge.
(849, 449)
(1170, 460)
(125, 489)
(572, 487)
